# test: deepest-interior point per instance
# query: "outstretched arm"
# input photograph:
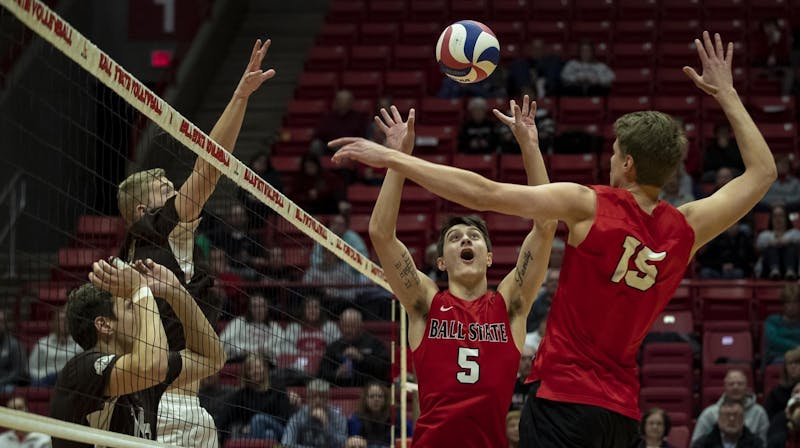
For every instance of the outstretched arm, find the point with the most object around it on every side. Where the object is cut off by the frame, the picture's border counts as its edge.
(568, 202)
(194, 193)
(520, 285)
(711, 216)
(412, 288)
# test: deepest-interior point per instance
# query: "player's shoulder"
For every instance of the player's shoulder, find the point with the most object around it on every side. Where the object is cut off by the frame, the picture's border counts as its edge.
(88, 362)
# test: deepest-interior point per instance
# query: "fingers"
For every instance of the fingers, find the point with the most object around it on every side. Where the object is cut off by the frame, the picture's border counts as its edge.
(709, 46)
(343, 141)
(268, 75)
(517, 114)
(534, 106)
(525, 105)
(701, 52)
(719, 49)
(412, 116)
(729, 55)
(692, 74)
(502, 117)
(396, 114)
(383, 128)
(254, 52)
(386, 117)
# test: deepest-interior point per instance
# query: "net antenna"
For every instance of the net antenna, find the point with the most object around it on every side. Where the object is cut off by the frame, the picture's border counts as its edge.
(47, 24)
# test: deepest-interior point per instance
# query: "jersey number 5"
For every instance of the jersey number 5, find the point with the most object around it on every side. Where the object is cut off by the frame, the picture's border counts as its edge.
(472, 370)
(645, 274)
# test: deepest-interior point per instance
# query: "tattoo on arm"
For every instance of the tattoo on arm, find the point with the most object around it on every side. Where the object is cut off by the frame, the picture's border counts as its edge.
(519, 275)
(408, 271)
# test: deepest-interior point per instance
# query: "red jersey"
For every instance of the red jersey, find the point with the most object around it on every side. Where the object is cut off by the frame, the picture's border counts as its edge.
(466, 368)
(611, 290)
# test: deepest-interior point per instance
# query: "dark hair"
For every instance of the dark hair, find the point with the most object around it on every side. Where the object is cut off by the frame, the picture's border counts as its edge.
(787, 221)
(374, 425)
(470, 220)
(656, 143)
(83, 306)
(248, 315)
(653, 411)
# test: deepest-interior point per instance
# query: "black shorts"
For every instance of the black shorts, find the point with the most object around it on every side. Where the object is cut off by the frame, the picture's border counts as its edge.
(555, 424)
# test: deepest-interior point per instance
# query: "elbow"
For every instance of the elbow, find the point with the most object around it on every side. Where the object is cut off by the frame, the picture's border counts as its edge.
(380, 232)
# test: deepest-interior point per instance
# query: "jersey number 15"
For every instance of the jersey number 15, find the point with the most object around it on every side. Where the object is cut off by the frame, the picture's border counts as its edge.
(644, 276)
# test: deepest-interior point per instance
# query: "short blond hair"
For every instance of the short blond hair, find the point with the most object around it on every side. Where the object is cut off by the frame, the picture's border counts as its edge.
(134, 190)
(656, 143)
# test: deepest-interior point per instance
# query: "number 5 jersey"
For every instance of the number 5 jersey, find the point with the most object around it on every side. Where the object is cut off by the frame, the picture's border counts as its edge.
(611, 289)
(466, 367)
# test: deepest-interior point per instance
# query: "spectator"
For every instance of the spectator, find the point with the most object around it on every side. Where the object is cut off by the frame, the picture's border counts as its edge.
(13, 362)
(257, 210)
(672, 193)
(477, 134)
(340, 283)
(356, 358)
(316, 424)
(213, 396)
(343, 121)
(52, 351)
(533, 339)
(784, 428)
(521, 388)
(535, 72)
(256, 409)
(785, 190)
(340, 225)
(586, 76)
(488, 88)
(779, 395)
(312, 324)
(721, 152)
(21, 439)
(654, 428)
(723, 176)
(316, 190)
(545, 125)
(771, 50)
(226, 284)
(254, 333)
(730, 255)
(372, 419)
(736, 391)
(241, 245)
(782, 331)
(778, 246)
(730, 429)
(541, 305)
(512, 428)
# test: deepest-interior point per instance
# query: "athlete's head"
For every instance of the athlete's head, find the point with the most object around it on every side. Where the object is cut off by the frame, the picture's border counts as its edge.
(95, 315)
(648, 149)
(143, 192)
(464, 246)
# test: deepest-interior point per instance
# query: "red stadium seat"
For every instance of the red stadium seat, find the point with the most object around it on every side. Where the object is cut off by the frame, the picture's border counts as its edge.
(413, 57)
(763, 82)
(441, 111)
(549, 30)
(337, 34)
(508, 230)
(512, 170)
(369, 57)
(634, 31)
(368, 84)
(687, 107)
(509, 31)
(672, 81)
(405, 84)
(504, 259)
(671, 399)
(679, 436)
(305, 112)
(470, 8)
(352, 11)
(596, 31)
(680, 322)
(632, 81)
(773, 375)
(362, 198)
(298, 257)
(633, 55)
(381, 329)
(581, 110)
(667, 375)
(679, 30)
(593, 9)
(99, 231)
(667, 353)
(421, 33)
(778, 109)
(731, 302)
(676, 54)
(327, 58)
(768, 299)
(251, 443)
(429, 10)
(414, 229)
(440, 139)
(578, 168)
(727, 346)
(781, 137)
(723, 9)
(621, 105)
(385, 33)
(680, 10)
(317, 86)
(75, 263)
(419, 200)
(387, 10)
(346, 406)
(710, 395)
(518, 9)
(640, 10)
(769, 9)
(294, 141)
(483, 164)
(731, 28)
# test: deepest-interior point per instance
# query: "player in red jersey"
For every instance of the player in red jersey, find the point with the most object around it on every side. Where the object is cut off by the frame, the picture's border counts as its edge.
(466, 340)
(626, 254)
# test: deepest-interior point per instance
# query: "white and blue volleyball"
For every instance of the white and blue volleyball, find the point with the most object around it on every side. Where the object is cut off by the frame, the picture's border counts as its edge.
(467, 51)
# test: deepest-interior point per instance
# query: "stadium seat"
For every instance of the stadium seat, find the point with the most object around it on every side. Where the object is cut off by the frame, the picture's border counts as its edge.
(620, 105)
(470, 8)
(768, 299)
(714, 375)
(548, 30)
(731, 28)
(731, 302)
(419, 200)
(405, 84)
(676, 54)
(781, 137)
(441, 139)
(671, 30)
(507, 230)
(293, 141)
(509, 31)
(673, 353)
(363, 84)
(305, 112)
(727, 347)
(710, 395)
(384, 33)
(352, 11)
(99, 231)
(581, 110)
(298, 257)
(672, 81)
(327, 58)
(679, 322)
(776, 109)
(441, 111)
(633, 55)
(638, 10)
(578, 168)
(679, 419)
(504, 259)
(633, 32)
(414, 229)
(251, 443)
(75, 263)
(413, 57)
(369, 57)
(773, 375)
(596, 31)
(679, 436)
(362, 198)
(429, 10)
(381, 329)
(671, 399)
(387, 10)
(680, 10)
(337, 34)
(633, 82)
(317, 86)
(420, 33)
(483, 164)
(762, 82)
(667, 375)
(593, 9)
(769, 9)
(687, 108)
(518, 9)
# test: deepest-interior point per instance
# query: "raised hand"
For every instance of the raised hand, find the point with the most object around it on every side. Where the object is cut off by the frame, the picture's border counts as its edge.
(118, 278)
(716, 62)
(361, 150)
(161, 281)
(253, 76)
(399, 135)
(521, 122)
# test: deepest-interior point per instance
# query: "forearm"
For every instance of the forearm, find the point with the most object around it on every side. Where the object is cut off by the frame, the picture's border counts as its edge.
(225, 132)
(755, 153)
(534, 163)
(150, 347)
(383, 222)
(200, 335)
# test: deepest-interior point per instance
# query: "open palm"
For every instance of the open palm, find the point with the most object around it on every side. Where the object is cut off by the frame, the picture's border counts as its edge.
(716, 62)
(399, 134)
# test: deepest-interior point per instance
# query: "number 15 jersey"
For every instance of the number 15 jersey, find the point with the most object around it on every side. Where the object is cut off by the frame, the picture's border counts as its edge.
(612, 287)
(466, 368)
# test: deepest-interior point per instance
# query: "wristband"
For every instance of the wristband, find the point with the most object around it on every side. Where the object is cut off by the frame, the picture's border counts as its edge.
(141, 293)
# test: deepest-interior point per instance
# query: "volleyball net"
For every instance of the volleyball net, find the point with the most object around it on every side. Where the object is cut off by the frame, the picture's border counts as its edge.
(292, 290)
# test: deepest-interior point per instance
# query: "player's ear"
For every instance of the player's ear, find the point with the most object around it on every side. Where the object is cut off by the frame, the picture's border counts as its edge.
(440, 265)
(489, 259)
(141, 209)
(103, 325)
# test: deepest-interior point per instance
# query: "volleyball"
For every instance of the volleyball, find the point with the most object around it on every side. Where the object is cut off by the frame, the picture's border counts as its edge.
(467, 51)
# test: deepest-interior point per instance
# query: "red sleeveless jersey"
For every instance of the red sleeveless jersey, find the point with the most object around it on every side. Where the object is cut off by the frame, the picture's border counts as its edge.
(466, 367)
(611, 290)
